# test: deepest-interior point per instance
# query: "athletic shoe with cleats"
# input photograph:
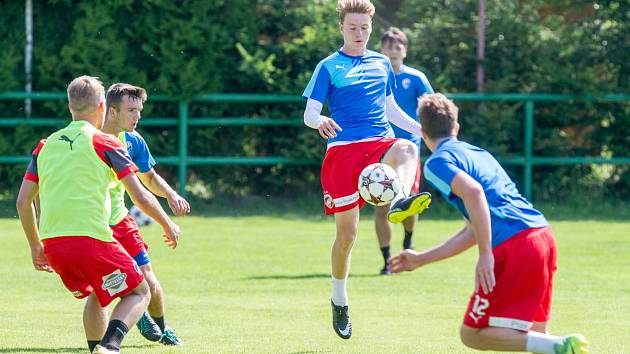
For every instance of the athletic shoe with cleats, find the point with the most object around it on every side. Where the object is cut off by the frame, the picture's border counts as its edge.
(385, 271)
(406, 207)
(170, 337)
(102, 350)
(148, 328)
(572, 344)
(341, 321)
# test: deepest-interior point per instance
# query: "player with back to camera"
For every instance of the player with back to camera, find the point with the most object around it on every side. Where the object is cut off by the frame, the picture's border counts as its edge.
(510, 307)
(72, 171)
(124, 104)
(357, 84)
(411, 84)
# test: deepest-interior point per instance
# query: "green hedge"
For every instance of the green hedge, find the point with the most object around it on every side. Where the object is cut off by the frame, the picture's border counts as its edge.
(184, 48)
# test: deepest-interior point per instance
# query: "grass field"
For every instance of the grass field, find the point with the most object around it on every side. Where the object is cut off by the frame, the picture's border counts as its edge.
(261, 284)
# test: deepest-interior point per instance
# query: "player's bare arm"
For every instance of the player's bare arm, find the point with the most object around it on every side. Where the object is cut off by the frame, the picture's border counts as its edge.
(158, 186)
(149, 204)
(26, 211)
(409, 260)
(474, 199)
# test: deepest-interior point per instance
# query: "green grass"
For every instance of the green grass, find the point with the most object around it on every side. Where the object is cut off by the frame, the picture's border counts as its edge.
(261, 284)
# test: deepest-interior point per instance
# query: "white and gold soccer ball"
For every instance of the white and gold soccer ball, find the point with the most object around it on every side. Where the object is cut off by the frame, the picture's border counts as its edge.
(378, 184)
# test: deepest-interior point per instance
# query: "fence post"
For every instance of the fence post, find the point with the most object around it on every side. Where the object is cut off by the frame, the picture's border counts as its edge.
(183, 146)
(528, 148)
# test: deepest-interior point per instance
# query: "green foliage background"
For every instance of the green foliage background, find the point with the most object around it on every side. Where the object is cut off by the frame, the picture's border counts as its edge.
(186, 48)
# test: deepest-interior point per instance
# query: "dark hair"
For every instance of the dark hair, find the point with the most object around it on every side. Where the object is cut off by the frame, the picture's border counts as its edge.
(116, 92)
(395, 35)
(438, 115)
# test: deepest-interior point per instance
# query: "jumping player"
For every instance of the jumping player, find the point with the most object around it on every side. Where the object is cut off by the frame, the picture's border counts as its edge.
(411, 84)
(72, 171)
(510, 307)
(124, 106)
(357, 84)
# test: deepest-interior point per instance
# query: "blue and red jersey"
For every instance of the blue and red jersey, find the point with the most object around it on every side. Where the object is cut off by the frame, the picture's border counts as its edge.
(510, 213)
(139, 151)
(355, 88)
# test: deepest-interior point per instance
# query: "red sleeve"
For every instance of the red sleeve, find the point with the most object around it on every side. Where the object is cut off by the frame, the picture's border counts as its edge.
(114, 154)
(31, 170)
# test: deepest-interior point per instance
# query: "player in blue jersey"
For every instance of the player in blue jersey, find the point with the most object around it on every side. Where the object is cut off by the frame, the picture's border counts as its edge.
(124, 106)
(411, 84)
(357, 85)
(510, 307)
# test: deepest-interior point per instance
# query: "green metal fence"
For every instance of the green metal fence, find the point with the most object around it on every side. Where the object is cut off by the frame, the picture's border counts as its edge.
(182, 122)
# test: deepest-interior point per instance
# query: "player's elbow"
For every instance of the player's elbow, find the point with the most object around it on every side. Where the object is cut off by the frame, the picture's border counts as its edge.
(306, 120)
(474, 192)
(22, 203)
(141, 198)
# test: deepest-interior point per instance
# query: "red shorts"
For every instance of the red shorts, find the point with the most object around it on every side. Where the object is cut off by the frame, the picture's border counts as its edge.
(341, 169)
(88, 265)
(126, 232)
(524, 267)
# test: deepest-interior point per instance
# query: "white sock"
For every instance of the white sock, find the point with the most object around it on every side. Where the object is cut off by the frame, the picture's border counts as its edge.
(339, 295)
(541, 343)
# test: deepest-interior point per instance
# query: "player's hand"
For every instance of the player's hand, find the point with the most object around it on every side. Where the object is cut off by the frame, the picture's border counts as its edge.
(171, 235)
(40, 262)
(327, 129)
(484, 276)
(179, 206)
(407, 260)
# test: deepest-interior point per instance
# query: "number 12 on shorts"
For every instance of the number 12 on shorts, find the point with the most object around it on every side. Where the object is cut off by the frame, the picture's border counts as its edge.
(479, 308)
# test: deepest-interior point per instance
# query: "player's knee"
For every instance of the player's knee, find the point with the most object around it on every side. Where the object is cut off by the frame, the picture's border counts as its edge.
(470, 337)
(143, 290)
(405, 150)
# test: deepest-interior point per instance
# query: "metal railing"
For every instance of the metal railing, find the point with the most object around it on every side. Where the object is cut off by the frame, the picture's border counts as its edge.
(183, 122)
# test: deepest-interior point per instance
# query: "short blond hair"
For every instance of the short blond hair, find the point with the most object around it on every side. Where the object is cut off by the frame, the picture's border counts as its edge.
(355, 6)
(85, 93)
(438, 115)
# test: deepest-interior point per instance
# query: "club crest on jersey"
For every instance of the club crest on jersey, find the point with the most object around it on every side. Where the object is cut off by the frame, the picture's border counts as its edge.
(329, 201)
(114, 282)
(405, 83)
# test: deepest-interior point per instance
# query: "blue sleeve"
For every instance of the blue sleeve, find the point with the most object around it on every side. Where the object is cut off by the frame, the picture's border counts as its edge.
(319, 85)
(439, 171)
(423, 85)
(139, 151)
(391, 79)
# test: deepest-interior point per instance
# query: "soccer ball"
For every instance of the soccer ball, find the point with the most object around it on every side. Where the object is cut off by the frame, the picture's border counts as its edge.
(140, 217)
(378, 184)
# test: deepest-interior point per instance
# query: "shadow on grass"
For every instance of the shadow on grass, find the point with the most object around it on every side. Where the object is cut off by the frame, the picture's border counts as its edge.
(310, 207)
(306, 276)
(65, 349)
(43, 350)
